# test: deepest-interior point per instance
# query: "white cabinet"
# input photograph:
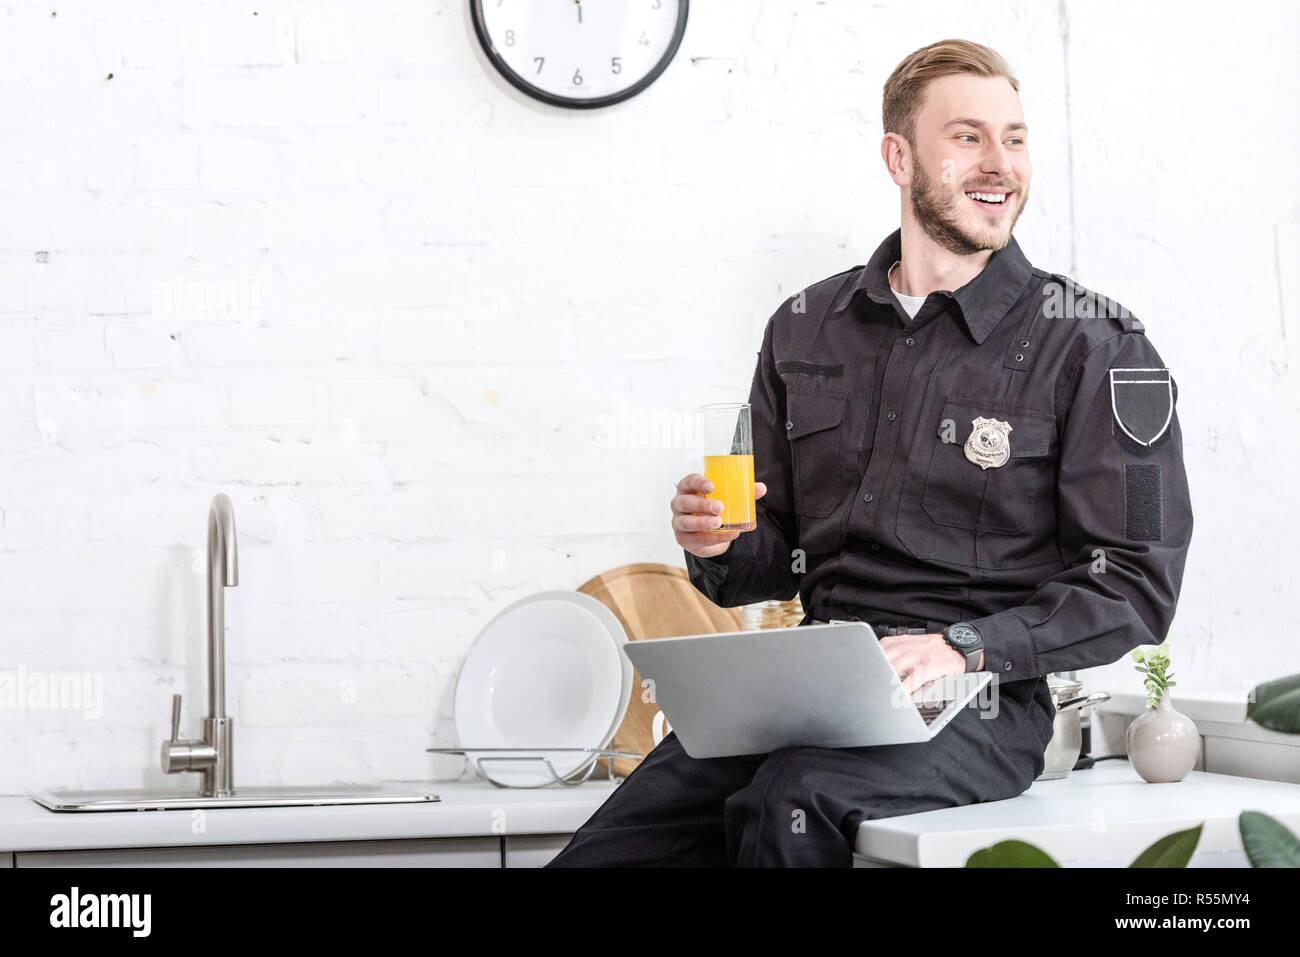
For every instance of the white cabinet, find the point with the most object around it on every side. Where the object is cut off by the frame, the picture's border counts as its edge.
(472, 825)
(416, 852)
(534, 850)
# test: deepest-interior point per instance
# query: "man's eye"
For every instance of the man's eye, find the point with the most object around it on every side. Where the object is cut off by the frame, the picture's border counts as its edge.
(1016, 139)
(967, 135)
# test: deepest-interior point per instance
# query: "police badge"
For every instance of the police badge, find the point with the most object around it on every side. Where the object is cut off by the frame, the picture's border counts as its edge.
(989, 445)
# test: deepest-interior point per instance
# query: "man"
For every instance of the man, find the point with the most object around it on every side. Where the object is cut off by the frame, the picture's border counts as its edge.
(978, 457)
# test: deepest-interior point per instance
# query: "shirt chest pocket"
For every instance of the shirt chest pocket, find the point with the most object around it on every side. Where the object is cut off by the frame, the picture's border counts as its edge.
(1001, 516)
(815, 426)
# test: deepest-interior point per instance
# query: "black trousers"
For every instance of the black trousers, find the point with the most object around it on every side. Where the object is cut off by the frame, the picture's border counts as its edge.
(801, 807)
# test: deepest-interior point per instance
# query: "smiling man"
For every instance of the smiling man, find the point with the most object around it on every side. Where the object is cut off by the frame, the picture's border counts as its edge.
(980, 458)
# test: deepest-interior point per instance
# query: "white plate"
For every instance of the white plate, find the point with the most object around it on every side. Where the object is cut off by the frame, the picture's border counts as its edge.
(541, 674)
(616, 633)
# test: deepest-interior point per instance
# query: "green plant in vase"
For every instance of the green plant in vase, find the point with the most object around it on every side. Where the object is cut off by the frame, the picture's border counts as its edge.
(1162, 743)
(1155, 664)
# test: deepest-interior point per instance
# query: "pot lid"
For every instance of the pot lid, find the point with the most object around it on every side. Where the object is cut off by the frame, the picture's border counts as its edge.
(1063, 689)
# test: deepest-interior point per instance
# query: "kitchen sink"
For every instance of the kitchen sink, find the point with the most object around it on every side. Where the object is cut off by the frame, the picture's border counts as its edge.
(212, 756)
(160, 799)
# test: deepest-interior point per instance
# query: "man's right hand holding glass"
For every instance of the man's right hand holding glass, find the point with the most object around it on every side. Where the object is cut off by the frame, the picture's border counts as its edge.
(696, 517)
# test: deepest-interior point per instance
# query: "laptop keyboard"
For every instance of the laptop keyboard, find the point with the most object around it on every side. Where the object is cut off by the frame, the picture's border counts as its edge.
(931, 711)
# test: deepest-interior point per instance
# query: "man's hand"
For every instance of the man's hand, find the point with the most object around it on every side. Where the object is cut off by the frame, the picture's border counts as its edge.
(921, 659)
(695, 517)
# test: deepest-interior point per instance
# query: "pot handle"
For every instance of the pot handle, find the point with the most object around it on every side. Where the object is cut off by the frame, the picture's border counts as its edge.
(1095, 698)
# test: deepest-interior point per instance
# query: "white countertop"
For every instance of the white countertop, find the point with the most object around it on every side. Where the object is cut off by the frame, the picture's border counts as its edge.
(467, 809)
(1104, 816)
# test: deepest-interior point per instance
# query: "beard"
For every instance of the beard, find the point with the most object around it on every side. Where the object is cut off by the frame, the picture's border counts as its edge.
(935, 209)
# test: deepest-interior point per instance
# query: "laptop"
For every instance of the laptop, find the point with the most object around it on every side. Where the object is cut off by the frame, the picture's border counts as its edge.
(830, 685)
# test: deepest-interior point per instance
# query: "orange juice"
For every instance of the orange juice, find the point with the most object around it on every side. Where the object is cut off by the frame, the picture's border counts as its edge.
(733, 485)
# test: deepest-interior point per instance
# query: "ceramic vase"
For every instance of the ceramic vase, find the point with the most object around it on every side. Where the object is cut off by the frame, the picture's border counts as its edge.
(1163, 743)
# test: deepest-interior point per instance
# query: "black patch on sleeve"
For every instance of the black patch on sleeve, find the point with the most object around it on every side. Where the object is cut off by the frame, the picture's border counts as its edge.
(809, 368)
(1143, 504)
(1142, 405)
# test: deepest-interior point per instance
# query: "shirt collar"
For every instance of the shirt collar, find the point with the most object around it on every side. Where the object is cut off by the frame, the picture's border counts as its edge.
(983, 301)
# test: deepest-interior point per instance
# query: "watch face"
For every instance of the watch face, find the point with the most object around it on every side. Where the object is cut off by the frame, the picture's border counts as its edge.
(963, 635)
(583, 53)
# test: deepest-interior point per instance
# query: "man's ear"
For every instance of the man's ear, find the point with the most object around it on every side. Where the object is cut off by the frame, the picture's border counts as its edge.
(898, 161)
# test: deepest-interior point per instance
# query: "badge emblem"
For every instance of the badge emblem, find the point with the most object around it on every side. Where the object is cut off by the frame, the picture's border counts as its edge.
(1142, 402)
(989, 444)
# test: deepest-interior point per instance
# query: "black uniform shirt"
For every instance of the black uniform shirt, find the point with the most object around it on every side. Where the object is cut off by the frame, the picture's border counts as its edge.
(1066, 551)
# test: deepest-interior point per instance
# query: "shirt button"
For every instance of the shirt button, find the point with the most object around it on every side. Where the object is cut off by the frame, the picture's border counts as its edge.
(910, 341)
(788, 425)
(1006, 665)
(875, 546)
(868, 497)
(892, 416)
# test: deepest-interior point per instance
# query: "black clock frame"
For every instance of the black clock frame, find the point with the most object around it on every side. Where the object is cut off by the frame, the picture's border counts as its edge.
(519, 83)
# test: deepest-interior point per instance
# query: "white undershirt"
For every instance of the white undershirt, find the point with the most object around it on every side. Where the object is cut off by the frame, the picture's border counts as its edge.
(911, 304)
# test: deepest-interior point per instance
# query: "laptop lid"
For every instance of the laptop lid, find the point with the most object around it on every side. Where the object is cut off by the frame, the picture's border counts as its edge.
(750, 692)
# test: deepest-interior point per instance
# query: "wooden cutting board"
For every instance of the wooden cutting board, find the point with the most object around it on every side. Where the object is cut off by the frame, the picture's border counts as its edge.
(653, 601)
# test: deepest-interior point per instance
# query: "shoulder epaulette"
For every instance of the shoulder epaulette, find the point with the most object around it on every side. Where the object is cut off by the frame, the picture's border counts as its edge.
(1082, 303)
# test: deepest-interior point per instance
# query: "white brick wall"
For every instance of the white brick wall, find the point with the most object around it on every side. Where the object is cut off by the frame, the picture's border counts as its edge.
(431, 337)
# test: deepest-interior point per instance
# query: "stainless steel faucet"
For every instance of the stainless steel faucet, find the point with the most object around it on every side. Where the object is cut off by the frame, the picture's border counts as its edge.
(211, 756)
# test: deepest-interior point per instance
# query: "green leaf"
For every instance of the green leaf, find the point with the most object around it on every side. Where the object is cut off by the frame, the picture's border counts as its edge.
(1276, 705)
(1172, 850)
(1267, 841)
(1011, 854)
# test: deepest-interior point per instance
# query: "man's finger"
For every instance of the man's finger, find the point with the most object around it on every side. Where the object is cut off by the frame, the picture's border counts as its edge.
(696, 504)
(695, 482)
(688, 522)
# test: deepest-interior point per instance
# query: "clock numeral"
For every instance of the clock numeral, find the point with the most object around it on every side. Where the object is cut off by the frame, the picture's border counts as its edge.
(577, 77)
(510, 38)
(614, 65)
(539, 60)
(645, 40)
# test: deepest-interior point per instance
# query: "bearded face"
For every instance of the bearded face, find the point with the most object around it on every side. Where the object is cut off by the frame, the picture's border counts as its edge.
(967, 217)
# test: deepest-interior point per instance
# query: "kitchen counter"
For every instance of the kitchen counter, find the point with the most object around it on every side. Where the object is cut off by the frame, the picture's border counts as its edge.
(1104, 816)
(467, 809)
(1101, 817)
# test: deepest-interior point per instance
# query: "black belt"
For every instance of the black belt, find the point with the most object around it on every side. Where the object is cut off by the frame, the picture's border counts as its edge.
(881, 630)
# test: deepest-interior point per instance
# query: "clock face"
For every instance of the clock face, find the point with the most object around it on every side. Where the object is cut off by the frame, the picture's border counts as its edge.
(580, 53)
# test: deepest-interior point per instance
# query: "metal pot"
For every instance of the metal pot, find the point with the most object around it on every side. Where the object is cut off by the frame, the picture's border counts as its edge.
(1067, 739)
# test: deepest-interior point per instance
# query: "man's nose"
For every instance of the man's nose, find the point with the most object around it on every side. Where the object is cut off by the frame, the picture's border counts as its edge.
(996, 160)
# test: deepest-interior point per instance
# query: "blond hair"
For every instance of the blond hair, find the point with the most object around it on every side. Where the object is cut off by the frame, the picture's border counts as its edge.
(905, 88)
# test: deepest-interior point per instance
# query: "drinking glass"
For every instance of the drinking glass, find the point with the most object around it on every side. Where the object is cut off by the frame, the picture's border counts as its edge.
(727, 444)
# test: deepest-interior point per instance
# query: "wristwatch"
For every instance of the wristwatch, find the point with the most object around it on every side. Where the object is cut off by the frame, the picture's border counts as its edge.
(965, 637)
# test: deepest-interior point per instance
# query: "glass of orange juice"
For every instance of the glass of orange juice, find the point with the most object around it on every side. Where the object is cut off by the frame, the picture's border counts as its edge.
(727, 444)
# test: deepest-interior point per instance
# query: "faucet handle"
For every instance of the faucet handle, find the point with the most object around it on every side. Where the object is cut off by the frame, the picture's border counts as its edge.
(176, 717)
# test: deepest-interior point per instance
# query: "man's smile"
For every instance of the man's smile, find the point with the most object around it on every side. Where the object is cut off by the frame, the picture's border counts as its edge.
(992, 201)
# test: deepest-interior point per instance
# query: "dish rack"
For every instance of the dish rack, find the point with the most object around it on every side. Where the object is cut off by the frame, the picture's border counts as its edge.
(597, 754)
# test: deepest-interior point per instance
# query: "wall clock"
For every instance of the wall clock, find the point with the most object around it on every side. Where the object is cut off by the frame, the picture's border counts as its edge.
(580, 53)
